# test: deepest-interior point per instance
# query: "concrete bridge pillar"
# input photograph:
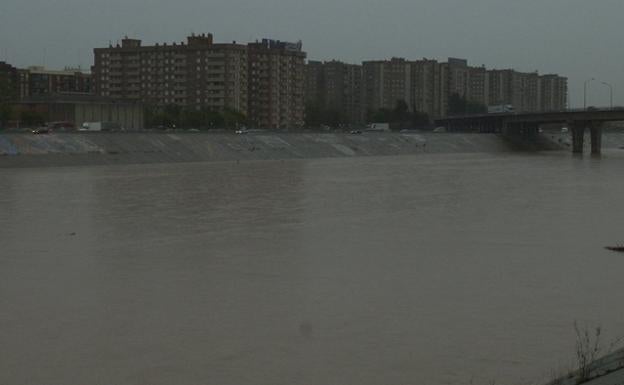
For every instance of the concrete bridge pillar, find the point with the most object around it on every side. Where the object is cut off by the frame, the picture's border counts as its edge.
(578, 136)
(596, 137)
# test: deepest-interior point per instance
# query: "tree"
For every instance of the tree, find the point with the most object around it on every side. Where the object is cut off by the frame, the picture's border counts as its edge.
(214, 119)
(192, 118)
(317, 115)
(459, 105)
(313, 115)
(233, 118)
(401, 113)
(473, 107)
(420, 119)
(456, 104)
(382, 115)
(31, 118)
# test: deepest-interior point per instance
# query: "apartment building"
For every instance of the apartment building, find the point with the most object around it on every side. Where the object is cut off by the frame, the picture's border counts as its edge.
(314, 80)
(276, 84)
(500, 87)
(553, 93)
(426, 86)
(197, 73)
(9, 82)
(478, 84)
(527, 92)
(353, 85)
(37, 81)
(386, 82)
(343, 90)
(335, 89)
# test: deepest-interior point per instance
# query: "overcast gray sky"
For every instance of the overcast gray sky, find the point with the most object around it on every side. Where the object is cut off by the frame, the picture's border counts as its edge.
(575, 38)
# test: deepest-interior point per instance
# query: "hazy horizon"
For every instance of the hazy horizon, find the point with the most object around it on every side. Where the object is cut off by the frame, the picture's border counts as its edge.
(572, 38)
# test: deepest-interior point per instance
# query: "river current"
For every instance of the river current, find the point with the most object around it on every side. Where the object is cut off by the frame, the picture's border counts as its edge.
(435, 269)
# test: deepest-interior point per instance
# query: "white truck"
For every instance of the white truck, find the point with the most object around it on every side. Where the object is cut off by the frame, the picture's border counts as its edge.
(91, 126)
(378, 127)
(98, 126)
(500, 109)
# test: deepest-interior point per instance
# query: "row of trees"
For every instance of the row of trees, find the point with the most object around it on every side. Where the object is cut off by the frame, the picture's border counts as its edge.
(174, 116)
(459, 105)
(399, 117)
(316, 116)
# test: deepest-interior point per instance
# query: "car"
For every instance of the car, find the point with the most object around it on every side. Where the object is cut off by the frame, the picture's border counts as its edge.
(41, 130)
(242, 131)
(355, 132)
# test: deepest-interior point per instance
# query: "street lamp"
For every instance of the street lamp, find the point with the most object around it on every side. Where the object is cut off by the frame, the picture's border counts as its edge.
(585, 92)
(610, 93)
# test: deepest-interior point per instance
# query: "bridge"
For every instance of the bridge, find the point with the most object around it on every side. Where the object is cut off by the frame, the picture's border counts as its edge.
(527, 124)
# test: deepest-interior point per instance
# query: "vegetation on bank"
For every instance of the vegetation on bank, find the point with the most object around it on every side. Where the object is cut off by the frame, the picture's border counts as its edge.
(174, 116)
(400, 117)
(459, 105)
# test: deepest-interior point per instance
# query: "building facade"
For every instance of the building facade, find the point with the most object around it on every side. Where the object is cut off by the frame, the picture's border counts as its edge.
(262, 80)
(553, 93)
(197, 73)
(387, 82)
(314, 84)
(78, 109)
(276, 84)
(9, 82)
(426, 87)
(38, 81)
(335, 90)
(527, 92)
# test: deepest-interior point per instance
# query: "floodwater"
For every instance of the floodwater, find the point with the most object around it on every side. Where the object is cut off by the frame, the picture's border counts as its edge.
(440, 269)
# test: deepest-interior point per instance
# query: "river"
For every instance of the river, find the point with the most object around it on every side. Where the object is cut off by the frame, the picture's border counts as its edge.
(436, 269)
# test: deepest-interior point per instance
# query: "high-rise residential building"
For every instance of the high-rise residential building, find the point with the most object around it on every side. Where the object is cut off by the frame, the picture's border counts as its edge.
(9, 82)
(478, 84)
(425, 87)
(458, 76)
(500, 87)
(454, 76)
(276, 84)
(334, 89)
(354, 93)
(527, 92)
(428, 85)
(386, 83)
(553, 93)
(37, 81)
(334, 85)
(263, 80)
(196, 74)
(343, 90)
(314, 80)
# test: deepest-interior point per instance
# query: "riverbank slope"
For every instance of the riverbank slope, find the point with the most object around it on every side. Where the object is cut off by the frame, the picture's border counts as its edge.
(71, 149)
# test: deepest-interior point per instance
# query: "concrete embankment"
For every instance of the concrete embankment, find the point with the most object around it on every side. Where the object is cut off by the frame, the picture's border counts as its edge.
(70, 149)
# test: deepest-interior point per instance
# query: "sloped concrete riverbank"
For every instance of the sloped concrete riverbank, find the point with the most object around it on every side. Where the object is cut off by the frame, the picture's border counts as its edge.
(71, 149)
